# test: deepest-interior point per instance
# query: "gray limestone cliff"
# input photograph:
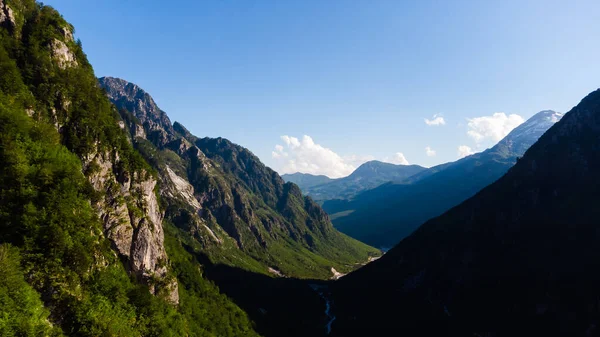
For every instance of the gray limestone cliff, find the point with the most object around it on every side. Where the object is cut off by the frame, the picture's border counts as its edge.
(129, 210)
(127, 203)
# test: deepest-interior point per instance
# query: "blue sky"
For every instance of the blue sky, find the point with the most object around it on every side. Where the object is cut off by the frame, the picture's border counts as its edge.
(357, 77)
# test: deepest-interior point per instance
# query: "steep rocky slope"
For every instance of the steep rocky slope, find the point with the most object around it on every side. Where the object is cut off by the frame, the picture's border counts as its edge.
(228, 205)
(126, 202)
(520, 258)
(383, 216)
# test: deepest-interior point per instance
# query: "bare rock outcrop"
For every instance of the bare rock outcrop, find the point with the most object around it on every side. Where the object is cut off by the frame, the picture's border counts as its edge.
(135, 100)
(181, 188)
(62, 54)
(132, 220)
(7, 15)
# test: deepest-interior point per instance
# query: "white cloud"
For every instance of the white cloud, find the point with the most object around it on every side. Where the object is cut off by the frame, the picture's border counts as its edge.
(292, 142)
(464, 151)
(279, 152)
(435, 121)
(494, 127)
(555, 117)
(397, 159)
(308, 157)
(429, 151)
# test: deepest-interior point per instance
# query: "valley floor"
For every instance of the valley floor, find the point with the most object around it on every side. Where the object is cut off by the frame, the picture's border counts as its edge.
(279, 305)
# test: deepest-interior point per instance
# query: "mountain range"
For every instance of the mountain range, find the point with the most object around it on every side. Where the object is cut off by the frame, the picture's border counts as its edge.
(519, 258)
(383, 216)
(367, 176)
(227, 203)
(116, 222)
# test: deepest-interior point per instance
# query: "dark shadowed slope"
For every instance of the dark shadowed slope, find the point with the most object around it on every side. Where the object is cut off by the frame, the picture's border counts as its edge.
(520, 258)
(383, 216)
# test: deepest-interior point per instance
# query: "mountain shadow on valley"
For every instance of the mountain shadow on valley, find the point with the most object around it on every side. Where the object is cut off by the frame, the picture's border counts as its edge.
(279, 306)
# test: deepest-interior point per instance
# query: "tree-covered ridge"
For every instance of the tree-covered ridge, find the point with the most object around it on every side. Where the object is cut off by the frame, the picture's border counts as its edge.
(63, 162)
(227, 204)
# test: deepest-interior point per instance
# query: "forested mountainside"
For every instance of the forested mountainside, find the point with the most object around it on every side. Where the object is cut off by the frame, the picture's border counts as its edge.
(226, 204)
(367, 176)
(82, 247)
(520, 258)
(385, 215)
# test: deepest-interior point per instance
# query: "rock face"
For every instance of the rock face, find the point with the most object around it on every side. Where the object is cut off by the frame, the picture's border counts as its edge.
(132, 98)
(67, 33)
(132, 220)
(129, 207)
(61, 53)
(520, 258)
(183, 188)
(7, 16)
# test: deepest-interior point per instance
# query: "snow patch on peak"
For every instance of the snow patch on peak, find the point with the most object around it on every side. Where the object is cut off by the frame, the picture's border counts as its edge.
(540, 122)
(524, 135)
(555, 117)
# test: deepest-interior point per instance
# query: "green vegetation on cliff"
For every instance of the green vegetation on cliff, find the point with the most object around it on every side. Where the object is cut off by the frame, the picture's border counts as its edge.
(60, 274)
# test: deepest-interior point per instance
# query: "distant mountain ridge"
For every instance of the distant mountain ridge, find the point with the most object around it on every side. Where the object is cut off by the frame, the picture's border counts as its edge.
(367, 176)
(306, 180)
(388, 213)
(520, 258)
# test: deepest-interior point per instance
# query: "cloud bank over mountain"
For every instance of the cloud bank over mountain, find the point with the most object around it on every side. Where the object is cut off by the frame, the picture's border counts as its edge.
(494, 127)
(306, 156)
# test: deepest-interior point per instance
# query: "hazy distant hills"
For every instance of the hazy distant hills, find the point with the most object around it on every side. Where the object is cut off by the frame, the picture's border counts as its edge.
(306, 180)
(369, 175)
(520, 258)
(388, 213)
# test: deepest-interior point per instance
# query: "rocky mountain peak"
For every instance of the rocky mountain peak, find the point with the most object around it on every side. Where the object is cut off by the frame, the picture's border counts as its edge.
(134, 99)
(524, 135)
